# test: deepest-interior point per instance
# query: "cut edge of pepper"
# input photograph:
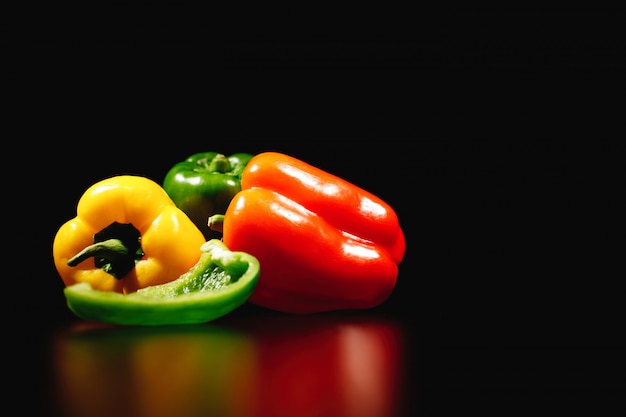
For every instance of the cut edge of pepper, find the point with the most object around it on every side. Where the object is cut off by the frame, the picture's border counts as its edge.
(147, 307)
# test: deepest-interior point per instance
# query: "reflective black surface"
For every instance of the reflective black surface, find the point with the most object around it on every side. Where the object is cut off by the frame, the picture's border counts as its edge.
(505, 301)
(492, 135)
(263, 365)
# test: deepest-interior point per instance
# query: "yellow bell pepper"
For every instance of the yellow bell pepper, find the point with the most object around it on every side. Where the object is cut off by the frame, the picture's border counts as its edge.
(128, 234)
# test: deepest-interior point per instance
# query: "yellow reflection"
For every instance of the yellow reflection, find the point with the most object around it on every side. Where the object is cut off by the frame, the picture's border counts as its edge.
(181, 371)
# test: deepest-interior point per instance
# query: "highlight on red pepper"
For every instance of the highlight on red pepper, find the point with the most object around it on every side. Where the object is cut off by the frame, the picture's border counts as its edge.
(323, 243)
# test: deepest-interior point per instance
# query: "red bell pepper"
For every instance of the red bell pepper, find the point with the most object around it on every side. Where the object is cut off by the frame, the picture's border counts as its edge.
(323, 243)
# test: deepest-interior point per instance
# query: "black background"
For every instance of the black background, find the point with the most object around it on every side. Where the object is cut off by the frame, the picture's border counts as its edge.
(495, 134)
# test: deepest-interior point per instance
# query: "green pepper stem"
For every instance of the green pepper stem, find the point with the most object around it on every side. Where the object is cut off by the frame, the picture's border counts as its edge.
(113, 250)
(219, 164)
(216, 223)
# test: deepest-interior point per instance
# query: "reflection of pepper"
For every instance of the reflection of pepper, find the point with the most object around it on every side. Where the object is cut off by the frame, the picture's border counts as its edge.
(219, 282)
(128, 234)
(323, 243)
(203, 185)
(347, 366)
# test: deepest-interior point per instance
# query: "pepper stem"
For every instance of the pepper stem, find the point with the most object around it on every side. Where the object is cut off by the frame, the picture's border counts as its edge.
(219, 163)
(216, 223)
(112, 251)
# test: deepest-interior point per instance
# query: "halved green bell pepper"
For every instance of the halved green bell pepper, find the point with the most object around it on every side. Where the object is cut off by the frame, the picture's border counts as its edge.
(203, 185)
(218, 283)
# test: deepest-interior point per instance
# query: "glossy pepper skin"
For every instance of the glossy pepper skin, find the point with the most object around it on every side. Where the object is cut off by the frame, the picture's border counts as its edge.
(127, 234)
(218, 283)
(203, 185)
(323, 243)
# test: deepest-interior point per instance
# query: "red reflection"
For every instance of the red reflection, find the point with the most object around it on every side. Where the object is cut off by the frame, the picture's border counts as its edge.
(262, 366)
(321, 366)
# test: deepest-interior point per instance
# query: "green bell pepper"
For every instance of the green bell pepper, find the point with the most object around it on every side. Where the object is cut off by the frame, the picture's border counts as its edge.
(203, 185)
(218, 283)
